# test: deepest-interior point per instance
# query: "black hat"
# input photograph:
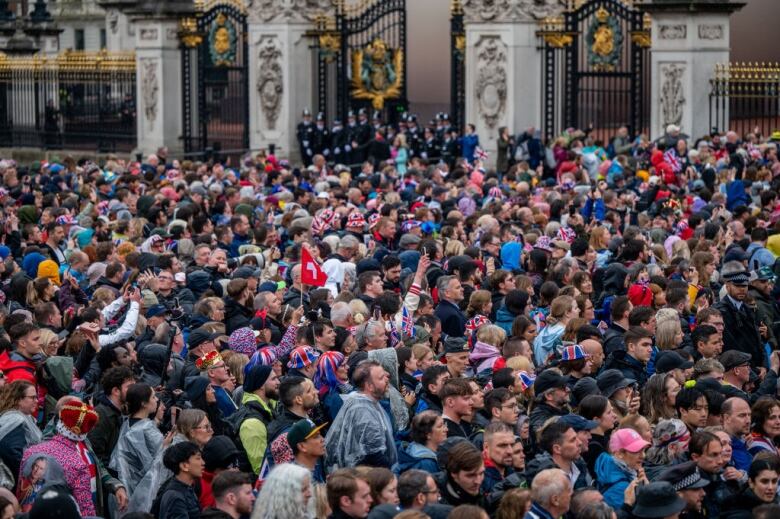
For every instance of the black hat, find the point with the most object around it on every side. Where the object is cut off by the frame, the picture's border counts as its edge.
(362, 111)
(155, 310)
(666, 361)
(306, 112)
(245, 272)
(303, 430)
(255, 377)
(54, 503)
(200, 335)
(734, 358)
(320, 116)
(735, 253)
(219, 453)
(584, 387)
(455, 345)
(684, 476)
(195, 386)
(547, 380)
(657, 500)
(611, 380)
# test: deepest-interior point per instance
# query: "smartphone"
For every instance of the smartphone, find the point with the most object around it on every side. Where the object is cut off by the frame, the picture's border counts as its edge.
(174, 416)
(377, 313)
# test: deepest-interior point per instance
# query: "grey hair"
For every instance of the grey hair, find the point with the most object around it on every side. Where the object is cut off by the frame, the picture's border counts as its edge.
(442, 283)
(598, 510)
(349, 242)
(339, 312)
(282, 494)
(548, 483)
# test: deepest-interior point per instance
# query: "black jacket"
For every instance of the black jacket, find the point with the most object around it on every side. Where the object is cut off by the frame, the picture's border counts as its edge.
(179, 501)
(106, 432)
(631, 368)
(236, 315)
(453, 321)
(281, 424)
(740, 330)
(541, 413)
(613, 339)
(214, 513)
(740, 506)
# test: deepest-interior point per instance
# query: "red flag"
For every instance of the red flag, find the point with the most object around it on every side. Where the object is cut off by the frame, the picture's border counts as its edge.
(311, 273)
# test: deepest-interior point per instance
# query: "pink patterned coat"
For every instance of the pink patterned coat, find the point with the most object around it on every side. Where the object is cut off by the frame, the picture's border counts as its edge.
(76, 470)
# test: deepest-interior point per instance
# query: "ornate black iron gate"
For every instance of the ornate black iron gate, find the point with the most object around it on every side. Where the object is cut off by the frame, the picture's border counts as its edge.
(457, 66)
(362, 59)
(595, 68)
(215, 79)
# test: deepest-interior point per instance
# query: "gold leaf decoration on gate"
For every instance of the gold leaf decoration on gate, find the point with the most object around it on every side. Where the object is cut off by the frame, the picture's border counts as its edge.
(377, 73)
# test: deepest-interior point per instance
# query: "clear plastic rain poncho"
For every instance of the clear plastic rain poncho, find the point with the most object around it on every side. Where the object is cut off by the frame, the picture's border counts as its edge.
(361, 428)
(133, 460)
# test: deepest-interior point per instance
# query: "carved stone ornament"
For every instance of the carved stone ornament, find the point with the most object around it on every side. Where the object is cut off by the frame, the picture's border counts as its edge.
(511, 10)
(491, 83)
(112, 17)
(672, 97)
(672, 32)
(287, 10)
(710, 32)
(270, 80)
(149, 33)
(150, 87)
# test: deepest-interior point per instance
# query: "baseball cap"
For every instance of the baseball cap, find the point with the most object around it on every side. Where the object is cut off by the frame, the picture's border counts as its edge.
(219, 453)
(578, 423)
(548, 380)
(303, 430)
(156, 310)
(455, 345)
(666, 361)
(627, 440)
(199, 336)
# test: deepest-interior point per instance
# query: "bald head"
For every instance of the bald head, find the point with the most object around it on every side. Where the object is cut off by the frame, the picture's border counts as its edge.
(593, 348)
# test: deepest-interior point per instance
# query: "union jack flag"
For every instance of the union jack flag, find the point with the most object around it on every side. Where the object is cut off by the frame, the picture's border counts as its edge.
(395, 338)
(408, 323)
(480, 154)
(670, 156)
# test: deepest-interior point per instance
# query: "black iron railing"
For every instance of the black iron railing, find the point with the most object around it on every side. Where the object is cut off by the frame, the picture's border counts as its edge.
(77, 100)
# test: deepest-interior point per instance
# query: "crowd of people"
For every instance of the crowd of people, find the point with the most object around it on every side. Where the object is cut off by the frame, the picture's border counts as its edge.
(586, 330)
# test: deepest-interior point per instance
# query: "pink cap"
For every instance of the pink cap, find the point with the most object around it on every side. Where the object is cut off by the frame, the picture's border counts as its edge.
(627, 440)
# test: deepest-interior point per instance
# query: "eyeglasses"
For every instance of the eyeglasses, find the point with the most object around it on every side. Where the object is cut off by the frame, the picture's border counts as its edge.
(510, 406)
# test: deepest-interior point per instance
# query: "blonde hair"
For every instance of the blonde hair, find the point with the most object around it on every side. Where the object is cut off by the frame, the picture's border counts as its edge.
(596, 235)
(46, 337)
(188, 420)
(666, 314)
(665, 333)
(359, 308)
(477, 302)
(420, 351)
(680, 250)
(559, 307)
(520, 363)
(492, 334)
(454, 248)
(236, 362)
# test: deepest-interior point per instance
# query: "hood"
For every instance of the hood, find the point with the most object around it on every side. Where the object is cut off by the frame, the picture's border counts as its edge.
(483, 351)
(609, 471)
(198, 282)
(541, 462)
(388, 358)
(417, 451)
(504, 315)
(30, 263)
(152, 358)
(615, 278)
(233, 307)
(510, 255)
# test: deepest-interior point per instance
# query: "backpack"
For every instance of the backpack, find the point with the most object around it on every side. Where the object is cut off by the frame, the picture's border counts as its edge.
(249, 410)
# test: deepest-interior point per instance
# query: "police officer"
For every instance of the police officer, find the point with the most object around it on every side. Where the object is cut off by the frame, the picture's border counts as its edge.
(351, 138)
(321, 140)
(376, 121)
(362, 138)
(338, 143)
(305, 135)
(413, 136)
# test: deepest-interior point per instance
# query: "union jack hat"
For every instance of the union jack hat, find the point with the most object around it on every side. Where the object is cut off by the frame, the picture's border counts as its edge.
(408, 225)
(301, 357)
(574, 352)
(266, 356)
(323, 221)
(356, 219)
(544, 243)
(526, 380)
(495, 192)
(373, 220)
(65, 219)
(474, 324)
(566, 234)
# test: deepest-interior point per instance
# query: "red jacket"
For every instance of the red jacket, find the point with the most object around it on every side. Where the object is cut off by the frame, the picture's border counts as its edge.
(17, 369)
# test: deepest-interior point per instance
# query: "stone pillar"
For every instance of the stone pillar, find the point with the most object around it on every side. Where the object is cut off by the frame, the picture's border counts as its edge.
(688, 39)
(282, 71)
(503, 66)
(158, 85)
(120, 35)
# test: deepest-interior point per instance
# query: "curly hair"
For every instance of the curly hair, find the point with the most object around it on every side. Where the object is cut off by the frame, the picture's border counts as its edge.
(11, 394)
(282, 494)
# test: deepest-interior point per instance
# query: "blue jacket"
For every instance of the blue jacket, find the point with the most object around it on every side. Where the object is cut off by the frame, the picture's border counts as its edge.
(740, 456)
(453, 321)
(596, 209)
(469, 145)
(759, 256)
(416, 456)
(613, 478)
(237, 242)
(504, 320)
(332, 402)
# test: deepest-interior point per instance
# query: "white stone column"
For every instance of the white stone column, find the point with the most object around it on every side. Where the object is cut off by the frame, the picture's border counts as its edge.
(119, 33)
(282, 82)
(503, 66)
(688, 40)
(282, 70)
(158, 85)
